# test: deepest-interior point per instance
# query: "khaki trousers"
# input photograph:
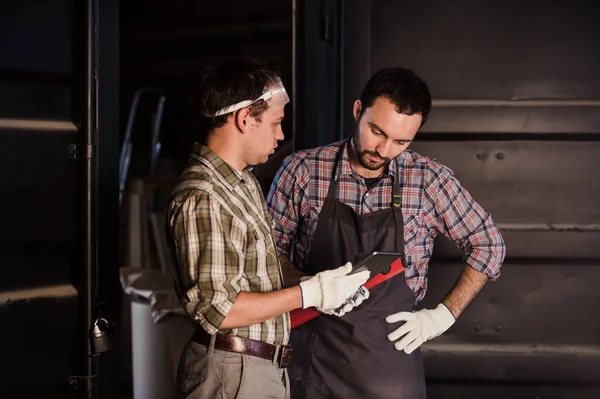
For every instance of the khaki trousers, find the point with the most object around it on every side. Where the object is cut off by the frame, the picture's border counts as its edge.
(208, 373)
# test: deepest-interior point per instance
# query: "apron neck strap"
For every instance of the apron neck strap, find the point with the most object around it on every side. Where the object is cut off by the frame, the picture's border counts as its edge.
(396, 203)
(397, 208)
(333, 183)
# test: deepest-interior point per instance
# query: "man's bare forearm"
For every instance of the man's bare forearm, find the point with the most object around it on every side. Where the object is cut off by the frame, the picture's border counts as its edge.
(253, 307)
(467, 287)
(291, 274)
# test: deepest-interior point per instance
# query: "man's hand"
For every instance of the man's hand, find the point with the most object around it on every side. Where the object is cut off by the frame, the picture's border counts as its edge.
(355, 300)
(331, 288)
(420, 326)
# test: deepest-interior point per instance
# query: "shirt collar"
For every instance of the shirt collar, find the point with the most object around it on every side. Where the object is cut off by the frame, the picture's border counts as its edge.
(344, 167)
(206, 156)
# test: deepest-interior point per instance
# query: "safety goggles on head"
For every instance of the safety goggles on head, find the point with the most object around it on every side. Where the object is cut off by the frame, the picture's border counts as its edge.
(275, 96)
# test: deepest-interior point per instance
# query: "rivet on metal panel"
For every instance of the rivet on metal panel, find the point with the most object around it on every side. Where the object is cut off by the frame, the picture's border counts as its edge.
(480, 155)
(498, 327)
(500, 155)
(478, 327)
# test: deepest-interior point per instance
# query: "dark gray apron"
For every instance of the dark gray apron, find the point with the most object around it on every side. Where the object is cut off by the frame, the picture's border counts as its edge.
(351, 357)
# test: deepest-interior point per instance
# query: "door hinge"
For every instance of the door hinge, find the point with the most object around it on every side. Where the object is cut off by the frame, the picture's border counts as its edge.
(82, 151)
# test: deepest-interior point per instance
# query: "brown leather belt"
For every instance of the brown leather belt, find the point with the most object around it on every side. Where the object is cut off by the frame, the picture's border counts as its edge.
(280, 355)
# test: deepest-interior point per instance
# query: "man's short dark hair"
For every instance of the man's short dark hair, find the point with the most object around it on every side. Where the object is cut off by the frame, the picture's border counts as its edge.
(408, 92)
(233, 81)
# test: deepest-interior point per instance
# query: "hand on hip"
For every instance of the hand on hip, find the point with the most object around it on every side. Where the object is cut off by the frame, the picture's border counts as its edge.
(419, 327)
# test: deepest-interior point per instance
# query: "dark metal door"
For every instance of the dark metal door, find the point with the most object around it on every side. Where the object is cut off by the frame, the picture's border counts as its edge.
(43, 308)
(516, 115)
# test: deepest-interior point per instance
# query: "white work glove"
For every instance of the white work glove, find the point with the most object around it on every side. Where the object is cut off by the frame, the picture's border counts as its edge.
(331, 288)
(420, 326)
(355, 300)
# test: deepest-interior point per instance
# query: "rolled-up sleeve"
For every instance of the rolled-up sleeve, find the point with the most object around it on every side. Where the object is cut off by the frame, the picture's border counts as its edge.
(471, 227)
(288, 201)
(209, 248)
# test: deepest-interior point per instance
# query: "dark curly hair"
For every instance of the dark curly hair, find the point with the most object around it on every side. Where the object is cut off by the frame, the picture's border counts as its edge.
(408, 92)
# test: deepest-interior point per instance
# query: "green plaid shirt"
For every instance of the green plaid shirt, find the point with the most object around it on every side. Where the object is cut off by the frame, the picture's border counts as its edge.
(220, 233)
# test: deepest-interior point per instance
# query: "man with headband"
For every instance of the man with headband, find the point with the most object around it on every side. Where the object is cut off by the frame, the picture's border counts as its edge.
(227, 274)
(368, 193)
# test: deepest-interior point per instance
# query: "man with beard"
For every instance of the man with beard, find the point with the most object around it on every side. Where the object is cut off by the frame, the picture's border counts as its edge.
(342, 201)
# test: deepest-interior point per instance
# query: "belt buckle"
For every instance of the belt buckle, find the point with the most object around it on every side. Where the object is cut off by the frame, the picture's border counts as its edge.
(284, 356)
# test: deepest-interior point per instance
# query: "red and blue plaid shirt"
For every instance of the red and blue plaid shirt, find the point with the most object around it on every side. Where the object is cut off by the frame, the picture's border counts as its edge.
(433, 202)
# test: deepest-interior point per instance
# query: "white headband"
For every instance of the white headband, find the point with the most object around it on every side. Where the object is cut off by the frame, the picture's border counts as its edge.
(276, 97)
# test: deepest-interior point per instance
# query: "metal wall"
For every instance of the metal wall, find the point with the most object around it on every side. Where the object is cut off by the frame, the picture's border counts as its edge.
(43, 339)
(516, 115)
